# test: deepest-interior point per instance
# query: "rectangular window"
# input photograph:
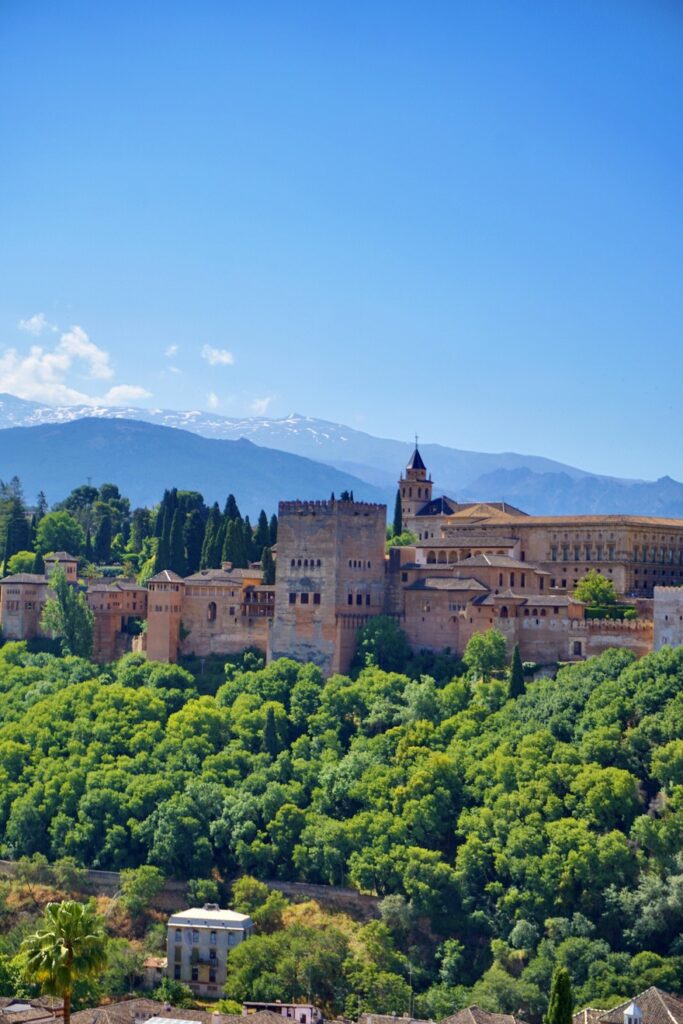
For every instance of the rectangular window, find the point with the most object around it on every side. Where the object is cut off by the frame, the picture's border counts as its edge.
(304, 598)
(292, 598)
(577, 553)
(404, 577)
(316, 599)
(512, 579)
(212, 954)
(195, 935)
(176, 972)
(212, 938)
(522, 579)
(553, 554)
(195, 974)
(212, 975)
(231, 610)
(541, 583)
(367, 599)
(349, 599)
(178, 954)
(359, 598)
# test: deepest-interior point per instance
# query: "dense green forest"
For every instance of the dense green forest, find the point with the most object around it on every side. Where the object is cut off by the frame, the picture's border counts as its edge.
(98, 526)
(502, 835)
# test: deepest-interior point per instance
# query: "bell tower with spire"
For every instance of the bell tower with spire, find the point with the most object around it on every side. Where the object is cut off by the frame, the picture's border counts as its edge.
(415, 487)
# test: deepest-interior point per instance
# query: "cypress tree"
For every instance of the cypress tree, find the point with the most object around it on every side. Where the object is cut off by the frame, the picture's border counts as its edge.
(233, 548)
(560, 1005)
(272, 529)
(88, 546)
(213, 524)
(249, 546)
(193, 535)
(270, 738)
(161, 512)
(268, 567)
(231, 511)
(102, 545)
(162, 555)
(517, 685)
(262, 535)
(398, 515)
(176, 544)
(38, 565)
(41, 506)
(219, 543)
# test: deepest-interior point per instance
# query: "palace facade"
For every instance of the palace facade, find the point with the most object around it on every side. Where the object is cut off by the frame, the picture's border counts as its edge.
(473, 567)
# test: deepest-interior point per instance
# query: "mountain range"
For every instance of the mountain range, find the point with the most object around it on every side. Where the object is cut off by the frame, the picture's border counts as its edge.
(369, 465)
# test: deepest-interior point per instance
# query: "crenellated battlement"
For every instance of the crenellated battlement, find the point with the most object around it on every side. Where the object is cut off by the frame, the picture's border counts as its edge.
(328, 506)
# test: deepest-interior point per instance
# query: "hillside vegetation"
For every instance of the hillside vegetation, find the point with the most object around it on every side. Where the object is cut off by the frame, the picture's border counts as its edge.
(503, 836)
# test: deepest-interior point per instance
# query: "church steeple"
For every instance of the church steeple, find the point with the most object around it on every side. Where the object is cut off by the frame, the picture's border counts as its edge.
(415, 488)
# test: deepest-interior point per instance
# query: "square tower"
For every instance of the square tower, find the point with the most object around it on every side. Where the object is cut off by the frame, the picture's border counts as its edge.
(330, 579)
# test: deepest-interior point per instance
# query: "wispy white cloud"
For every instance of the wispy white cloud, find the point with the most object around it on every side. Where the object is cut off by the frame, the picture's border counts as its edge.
(36, 324)
(217, 356)
(76, 344)
(122, 394)
(174, 369)
(259, 406)
(171, 351)
(213, 400)
(43, 374)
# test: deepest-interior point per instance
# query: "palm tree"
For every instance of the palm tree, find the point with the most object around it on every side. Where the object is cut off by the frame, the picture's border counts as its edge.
(69, 945)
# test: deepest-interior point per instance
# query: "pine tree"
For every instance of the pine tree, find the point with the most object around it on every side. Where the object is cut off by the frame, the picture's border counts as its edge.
(268, 567)
(233, 548)
(262, 535)
(272, 530)
(398, 515)
(41, 506)
(211, 529)
(193, 535)
(102, 544)
(561, 1003)
(517, 685)
(176, 544)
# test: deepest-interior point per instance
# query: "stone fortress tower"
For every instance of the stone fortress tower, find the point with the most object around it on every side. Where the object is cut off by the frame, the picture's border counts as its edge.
(330, 579)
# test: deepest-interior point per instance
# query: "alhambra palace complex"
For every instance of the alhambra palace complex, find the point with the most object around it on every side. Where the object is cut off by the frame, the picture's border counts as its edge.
(474, 566)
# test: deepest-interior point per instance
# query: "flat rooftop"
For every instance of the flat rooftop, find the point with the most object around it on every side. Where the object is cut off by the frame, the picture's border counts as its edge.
(208, 917)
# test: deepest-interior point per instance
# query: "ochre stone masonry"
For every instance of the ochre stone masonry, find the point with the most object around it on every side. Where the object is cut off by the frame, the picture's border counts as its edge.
(474, 566)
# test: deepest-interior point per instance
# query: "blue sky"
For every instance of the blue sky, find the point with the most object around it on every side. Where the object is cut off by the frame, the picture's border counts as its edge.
(458, 218)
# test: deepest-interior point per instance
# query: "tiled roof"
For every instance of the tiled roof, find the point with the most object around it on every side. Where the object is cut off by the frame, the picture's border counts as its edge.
(656, 1006)
(589, 1015)
(475, 1015)
(115, 585)
(60, 556)
(415, 461)
(166, 576)
(136, 1011)
(446, 583)
(496, 562)
(228, 576)
(388, 1018)
(25, 577)
(442, 506)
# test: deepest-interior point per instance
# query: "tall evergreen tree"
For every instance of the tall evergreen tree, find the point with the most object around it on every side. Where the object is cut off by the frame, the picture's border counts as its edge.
(268, 567)
(219, 544)
(38, 564)
(176, 544)
(272, 529)
(18, 529)
(213, 525)
(398, 515)
(193, 536)
(67, 616)
(561, 1003)
(262, 534)
(271, 743)
(88, 546)
(233, 548)
(517, 685)
(231, 511)
(163, 552)
(102, 544)
(249, 546)
(41, 506)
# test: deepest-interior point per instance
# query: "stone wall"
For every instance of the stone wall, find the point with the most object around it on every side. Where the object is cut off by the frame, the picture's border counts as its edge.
(668, 617)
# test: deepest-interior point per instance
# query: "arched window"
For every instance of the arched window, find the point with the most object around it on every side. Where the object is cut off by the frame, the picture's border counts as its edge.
(431, 558)
(211, 611)
(504, 612)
